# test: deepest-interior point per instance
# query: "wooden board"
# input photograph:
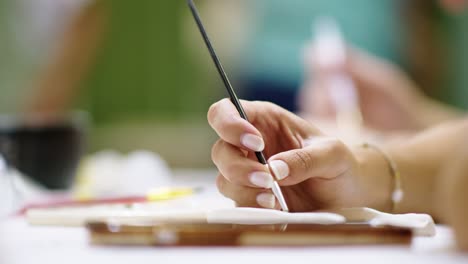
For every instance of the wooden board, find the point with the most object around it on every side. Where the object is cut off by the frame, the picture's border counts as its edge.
(102, 233)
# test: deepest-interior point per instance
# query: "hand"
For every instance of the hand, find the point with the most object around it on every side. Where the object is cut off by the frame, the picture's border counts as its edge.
(314, 171)
(388, 99)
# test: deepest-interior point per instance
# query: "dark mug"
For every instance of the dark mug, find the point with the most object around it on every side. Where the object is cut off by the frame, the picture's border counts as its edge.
(43, 147)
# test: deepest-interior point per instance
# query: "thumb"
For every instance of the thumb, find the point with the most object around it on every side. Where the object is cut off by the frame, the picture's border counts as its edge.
(321, 157)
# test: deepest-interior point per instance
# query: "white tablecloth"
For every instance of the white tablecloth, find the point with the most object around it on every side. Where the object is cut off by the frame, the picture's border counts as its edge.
(23, 244)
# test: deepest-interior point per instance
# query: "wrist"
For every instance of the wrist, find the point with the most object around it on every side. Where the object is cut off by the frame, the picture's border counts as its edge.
(374, 179)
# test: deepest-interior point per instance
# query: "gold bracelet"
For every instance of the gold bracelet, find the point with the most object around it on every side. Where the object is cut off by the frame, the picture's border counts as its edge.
(397, 194)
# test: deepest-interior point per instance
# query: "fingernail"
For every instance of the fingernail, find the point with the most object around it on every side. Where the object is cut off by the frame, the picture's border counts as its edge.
(280, 169)
(266, 200)
(252, 142)
(261, 179)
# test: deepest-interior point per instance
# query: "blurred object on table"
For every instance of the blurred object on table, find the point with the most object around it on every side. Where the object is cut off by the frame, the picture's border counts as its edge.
(46, 148)
(110, 174)
(156, 195)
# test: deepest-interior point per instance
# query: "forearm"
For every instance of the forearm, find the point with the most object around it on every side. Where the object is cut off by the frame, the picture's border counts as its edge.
(420, 160)
(431, 113)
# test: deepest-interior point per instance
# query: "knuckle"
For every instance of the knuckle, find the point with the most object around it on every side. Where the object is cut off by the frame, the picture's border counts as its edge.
(303, 160)
(277, 111)
(337, 148)
(268, 105)
(254, 108)
(341, 155)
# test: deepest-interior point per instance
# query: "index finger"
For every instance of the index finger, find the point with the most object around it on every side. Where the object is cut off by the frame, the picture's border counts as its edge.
(224, 118)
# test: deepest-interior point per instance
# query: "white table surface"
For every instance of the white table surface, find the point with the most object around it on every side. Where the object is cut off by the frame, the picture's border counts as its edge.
(21, 243)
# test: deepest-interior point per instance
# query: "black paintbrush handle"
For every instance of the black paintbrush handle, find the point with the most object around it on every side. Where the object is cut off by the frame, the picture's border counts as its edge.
(222, 73)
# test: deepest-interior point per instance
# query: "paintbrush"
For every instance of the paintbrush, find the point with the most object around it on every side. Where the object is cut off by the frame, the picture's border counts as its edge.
(261, 158)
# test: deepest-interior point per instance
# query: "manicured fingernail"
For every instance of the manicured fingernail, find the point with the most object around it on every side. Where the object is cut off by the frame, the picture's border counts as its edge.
(280, 169)
(261, 179)
(266, 200)
(252, 142)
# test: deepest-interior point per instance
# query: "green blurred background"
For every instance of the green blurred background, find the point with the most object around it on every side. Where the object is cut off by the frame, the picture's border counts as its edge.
(144, 67)
(146, 91)
(150, 84)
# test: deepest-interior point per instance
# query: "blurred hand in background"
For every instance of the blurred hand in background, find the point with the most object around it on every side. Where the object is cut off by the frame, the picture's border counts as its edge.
(388, 99)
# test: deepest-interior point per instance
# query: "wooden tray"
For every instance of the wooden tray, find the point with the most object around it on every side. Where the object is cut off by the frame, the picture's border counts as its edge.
(102, 233)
